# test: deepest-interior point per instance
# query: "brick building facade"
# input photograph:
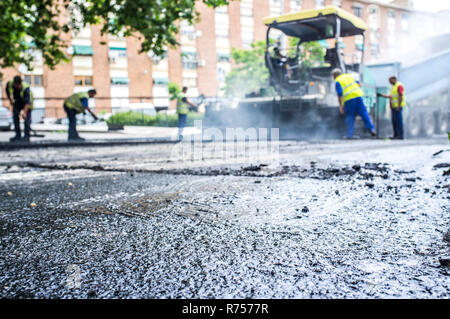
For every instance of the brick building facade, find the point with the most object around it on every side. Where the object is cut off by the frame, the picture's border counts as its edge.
(125, 79)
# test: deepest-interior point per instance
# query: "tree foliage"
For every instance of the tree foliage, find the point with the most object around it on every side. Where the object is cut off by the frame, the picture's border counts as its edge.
(41, 24)
(174, 91)
(250, 73)
(160, 119)
(311, 53)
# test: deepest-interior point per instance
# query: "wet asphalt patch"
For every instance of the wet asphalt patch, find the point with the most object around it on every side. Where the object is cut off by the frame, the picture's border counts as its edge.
(132, 225)
(300, 232)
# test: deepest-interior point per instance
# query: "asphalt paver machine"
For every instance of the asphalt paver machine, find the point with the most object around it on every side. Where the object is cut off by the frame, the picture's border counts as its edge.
(304, 102)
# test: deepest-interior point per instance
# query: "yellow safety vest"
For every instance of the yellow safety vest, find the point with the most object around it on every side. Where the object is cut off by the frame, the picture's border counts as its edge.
(25, 86)
(182, 107)
(394, 95)
(74, 101)
(350, 88)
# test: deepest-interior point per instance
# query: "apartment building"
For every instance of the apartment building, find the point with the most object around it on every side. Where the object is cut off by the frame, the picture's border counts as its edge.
(125, 79)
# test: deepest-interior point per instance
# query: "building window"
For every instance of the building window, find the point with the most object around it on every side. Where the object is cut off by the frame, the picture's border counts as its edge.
(161, 81)
(157, 59)
(222, 9)
(189, 60)
(85, 50)
(374, 50)
(373, 10)
(187, 30)
(84, 80)
(117, 52)
(374, 35)
(221, 18)
(296, 5)
(391, 29)
(358, 11)
(34, 80)
(320, 4)
(222, 32)
(276, 7)
(189, 82)
(223, 57)
(374, 17)
(337, 3)
(247, 39)
(247, 8)
(189, 65)
(247, 12)
(120, 81)
(405, 22)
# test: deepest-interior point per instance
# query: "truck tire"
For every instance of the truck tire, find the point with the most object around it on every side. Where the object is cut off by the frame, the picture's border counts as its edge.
(428, 124)
(413, 125)
(441, 123)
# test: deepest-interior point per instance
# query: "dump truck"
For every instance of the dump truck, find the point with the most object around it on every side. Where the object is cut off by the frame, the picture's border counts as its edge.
(304, 104)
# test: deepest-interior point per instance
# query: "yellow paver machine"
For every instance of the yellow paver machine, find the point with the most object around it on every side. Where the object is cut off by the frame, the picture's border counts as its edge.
(303, 102)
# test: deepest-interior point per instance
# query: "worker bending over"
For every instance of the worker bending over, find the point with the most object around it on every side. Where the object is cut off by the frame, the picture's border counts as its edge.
(21, 99)
(397, 102)
(182, 110)
(76, 104)
(351, 101)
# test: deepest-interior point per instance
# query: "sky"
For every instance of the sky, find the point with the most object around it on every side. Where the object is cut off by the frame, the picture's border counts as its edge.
(432, 5)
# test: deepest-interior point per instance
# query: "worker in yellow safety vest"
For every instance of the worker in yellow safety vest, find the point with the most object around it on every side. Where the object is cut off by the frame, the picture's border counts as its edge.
(20, 97)
(76, 104)
(182, 110)
(351, 101)
(397, 100)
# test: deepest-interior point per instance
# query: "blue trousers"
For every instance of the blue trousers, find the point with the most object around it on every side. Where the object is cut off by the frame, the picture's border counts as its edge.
(355, 107)
(72, 116)
(181, 123)
(27, 122)
(397, 122)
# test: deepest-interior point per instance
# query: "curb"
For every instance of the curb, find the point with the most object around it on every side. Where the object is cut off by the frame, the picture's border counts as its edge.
(33, 145)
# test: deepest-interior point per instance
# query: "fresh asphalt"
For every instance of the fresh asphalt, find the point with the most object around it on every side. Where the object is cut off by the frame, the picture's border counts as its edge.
(325, 219)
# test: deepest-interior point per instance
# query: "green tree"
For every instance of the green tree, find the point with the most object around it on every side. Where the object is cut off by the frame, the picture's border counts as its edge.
(39, 24)
(174, 91)
(311, 53)
(250, 73)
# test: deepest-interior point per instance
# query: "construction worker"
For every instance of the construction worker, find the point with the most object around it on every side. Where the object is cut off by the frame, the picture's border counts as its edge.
(76, 104)
(351, 102)
(279, 60)
(397, 101)
(275, 53)
(182, 110)
(21, 99)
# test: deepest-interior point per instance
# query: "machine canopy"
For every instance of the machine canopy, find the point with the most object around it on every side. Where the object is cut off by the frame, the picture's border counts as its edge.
(317, 24)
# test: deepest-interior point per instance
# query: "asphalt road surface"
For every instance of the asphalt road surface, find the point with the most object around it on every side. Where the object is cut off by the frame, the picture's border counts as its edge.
(335, 219)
